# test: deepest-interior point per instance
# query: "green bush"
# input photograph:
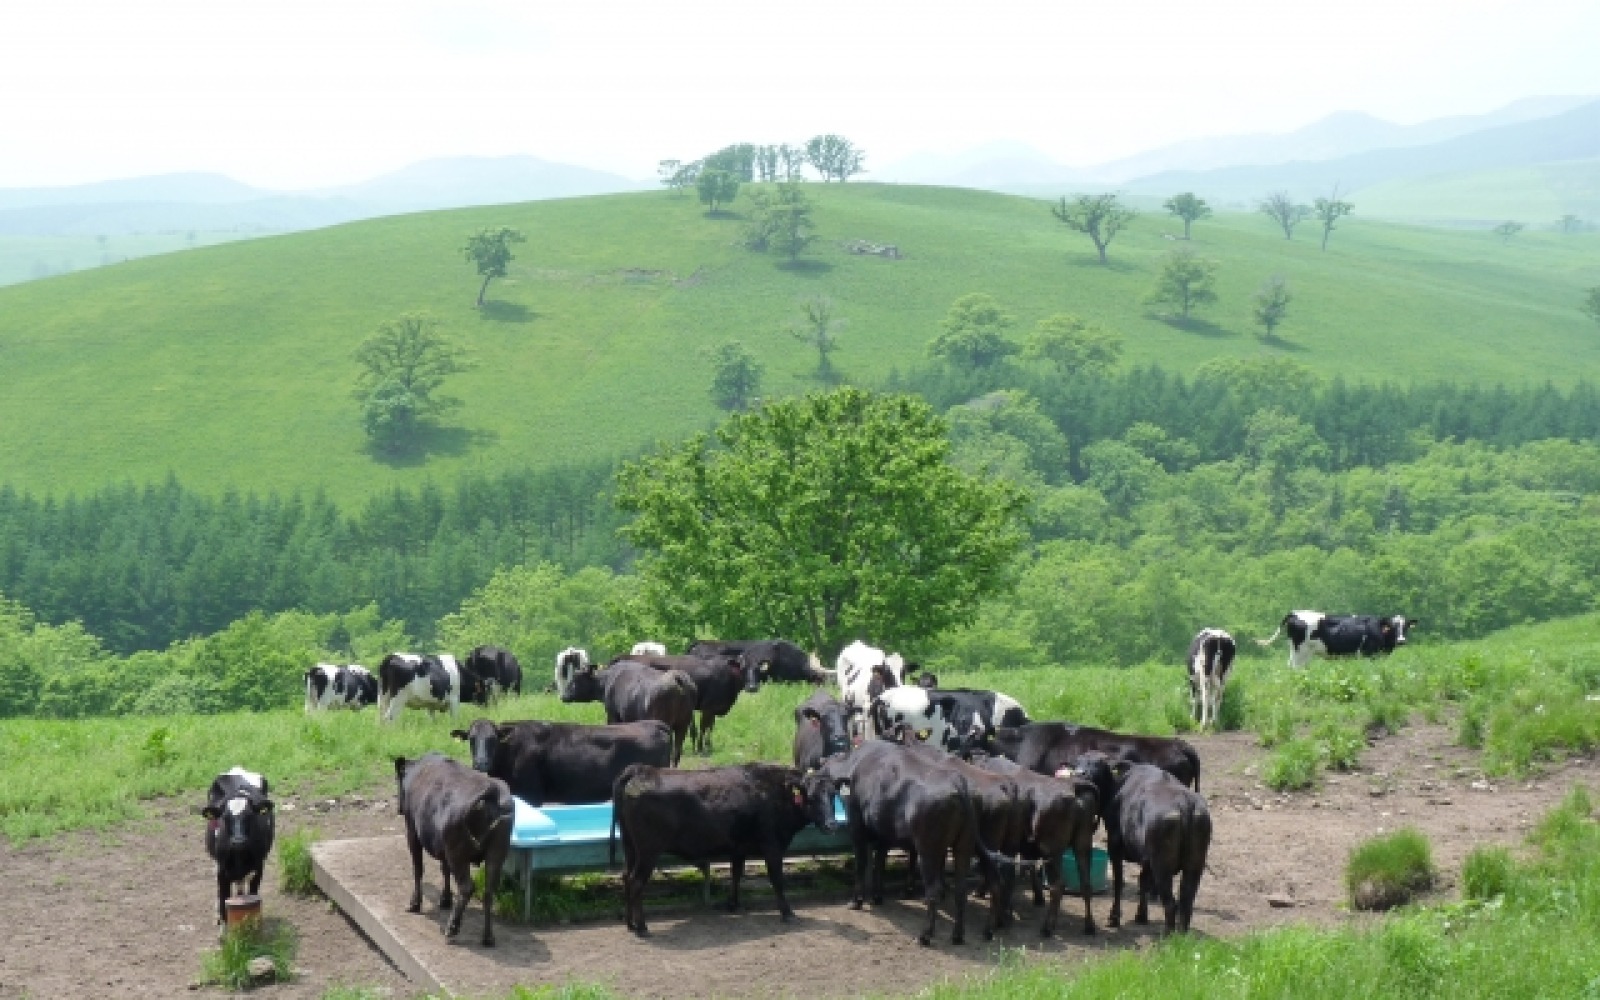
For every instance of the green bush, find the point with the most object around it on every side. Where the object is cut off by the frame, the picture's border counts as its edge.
(1385, 871)
(1339, 747)
(1486, 873)
(1292, 766)
(228, 964)
(295, 875)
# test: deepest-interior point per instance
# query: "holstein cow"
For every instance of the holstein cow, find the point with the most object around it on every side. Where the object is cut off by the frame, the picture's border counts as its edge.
(648, 649)
(568, 662)
(436, 683)
(239, 832)
(1211, 654)
(1151, 819)
(1312, 633)
(497, 671)
(717, 683)
(903, 798)
(1049, 747)
(636, 692)
(858, 666)
(460, 818)
(916, 677)
(766, 660)
(329, 685)
(820, 731)
(1060, 815)
(955, 719)
(752, 810)
(564, 761)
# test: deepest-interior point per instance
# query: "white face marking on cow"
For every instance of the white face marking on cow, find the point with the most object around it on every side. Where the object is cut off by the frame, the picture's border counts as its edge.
(1399, 622)
(238, 806)
(250, 777)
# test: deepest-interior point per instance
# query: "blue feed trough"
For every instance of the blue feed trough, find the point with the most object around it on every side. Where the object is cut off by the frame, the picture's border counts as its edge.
(1098, 860)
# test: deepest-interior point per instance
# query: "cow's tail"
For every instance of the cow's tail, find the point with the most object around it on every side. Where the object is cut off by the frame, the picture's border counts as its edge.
(816, 673)
(1194, 761)
(1272, 638)
(988, 854)
(618, 793)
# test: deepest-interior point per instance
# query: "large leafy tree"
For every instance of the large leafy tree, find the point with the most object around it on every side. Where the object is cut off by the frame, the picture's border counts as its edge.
(825, 518)
(717, 188)
(403, 366)
(1073, 345)
(735, 376)
(973, 333)
(1189, 207)
(490, 251)
(1285, 211)
(1184, 281)
(1098, 216)
(835, 157)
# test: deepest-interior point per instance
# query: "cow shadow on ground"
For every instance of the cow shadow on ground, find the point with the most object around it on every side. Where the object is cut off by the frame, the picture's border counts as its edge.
(435, 442)
(499, 311)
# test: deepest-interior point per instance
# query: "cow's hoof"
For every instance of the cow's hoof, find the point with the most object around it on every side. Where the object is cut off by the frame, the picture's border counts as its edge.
(877, 899)
(958, 938)
(786, 916)
(488, 942)
(452, 930)
(1114, 923)
(926, 940)
(988, 935)
(856, 904)
(446, 901)
(1088, 930)
(1140, 918)
(641, 931)
(415, 907)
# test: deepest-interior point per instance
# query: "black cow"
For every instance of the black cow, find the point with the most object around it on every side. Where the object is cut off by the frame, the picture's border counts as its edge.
(239, 831)
(821, 729)
(636, 692)
(1048, 747)
(497, 671)
(564, 761)
(1312, 633)
(1151, 819)
(461, 818)
(330, 685)
(717, 683)
(753, 810)
(1060, 816)
(1211, 654)
(766, 660)
(901, 797)
(917, 677)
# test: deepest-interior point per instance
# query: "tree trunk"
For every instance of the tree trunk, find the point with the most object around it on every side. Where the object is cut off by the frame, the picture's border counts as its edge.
(1102, 248)
(484, 288)
(1325, 231)
(1186, 224)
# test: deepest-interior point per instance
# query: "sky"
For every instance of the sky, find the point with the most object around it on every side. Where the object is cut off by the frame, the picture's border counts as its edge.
(296, 94)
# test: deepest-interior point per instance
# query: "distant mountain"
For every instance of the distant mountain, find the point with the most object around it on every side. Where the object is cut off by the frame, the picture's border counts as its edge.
(192, 188)
(993, 163)
(459, 181)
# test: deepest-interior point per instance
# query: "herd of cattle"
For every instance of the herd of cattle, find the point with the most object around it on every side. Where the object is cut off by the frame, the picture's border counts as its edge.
(958, 774)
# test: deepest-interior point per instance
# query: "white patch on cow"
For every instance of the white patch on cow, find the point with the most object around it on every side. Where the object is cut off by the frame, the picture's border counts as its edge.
(565, 670)
(314, 701)
(251, 778)
(1399, 622)
(909, 708)
(1207, 676)
(1301, 653)
(648, 649)
(854, 674)
(238, 805)
(419, 692)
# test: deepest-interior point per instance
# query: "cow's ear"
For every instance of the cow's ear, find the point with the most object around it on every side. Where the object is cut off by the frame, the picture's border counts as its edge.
(265, 805)
(1120, 769)
(811, 716)
(210, 812)
(400, 767)
(458, 734)
(1413, 622)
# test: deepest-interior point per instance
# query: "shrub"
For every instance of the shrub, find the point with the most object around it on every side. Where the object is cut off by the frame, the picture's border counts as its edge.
(295, 875)
(1292, 766)
(228, 964)
(1384, 871)
(1340, 748)
(1486, 873)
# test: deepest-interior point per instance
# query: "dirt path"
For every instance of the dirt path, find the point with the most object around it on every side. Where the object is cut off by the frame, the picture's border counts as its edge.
(127, 914)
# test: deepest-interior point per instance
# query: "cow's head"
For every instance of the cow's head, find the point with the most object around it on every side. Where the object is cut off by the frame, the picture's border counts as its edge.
(240, 817)
(883, 678)
(583, 685)
(483, 737)
(815, 794)
(829, 725)
(568, 662)
(921, 678)
(1397, 626)
(964, 731)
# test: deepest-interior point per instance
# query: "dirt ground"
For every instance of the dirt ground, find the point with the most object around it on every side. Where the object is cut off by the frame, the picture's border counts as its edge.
(127, 914)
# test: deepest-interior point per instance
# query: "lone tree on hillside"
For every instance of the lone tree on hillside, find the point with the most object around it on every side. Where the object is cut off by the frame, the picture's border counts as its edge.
(827, 517)
(717, 188)
(736, 376)
(1189, 208)
(1099, 216)
(1270, 304)
(1073, 345)
(781, 221)
(1591, 303)
(1508, 229)
(1283, 210)
(835, 157)
(403, 366)
(818, 326)
(490, 251)
(972, 333)
(1185, 281)
(1330, 210)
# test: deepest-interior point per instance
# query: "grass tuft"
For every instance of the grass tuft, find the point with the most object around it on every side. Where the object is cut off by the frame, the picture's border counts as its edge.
(295, 875)
(1385, 871)
(228, 965)
(1487, 873)
(1292, 766)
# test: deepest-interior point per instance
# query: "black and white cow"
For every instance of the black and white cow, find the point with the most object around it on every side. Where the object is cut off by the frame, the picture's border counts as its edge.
(648, 648)
(955, 719)
(239, 832)
(564, 762)
(1313, 633)
(496, 670)
(1211, 654)
(858, 666)
(435, 683)
(329, 685)
(568, 662)
(460, 818)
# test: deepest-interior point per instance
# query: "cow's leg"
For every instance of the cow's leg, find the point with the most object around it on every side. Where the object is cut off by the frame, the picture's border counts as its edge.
(863, 849)
(1115, 920)
(491, 887)
(224, 885)
(1146, 890)
(1038, 881)
(910, 891)
(708, 722)
(960, 860)
(1169, 905)
(446, 898)
(1050, 863)
(415, 843)
(1082, 854)
(641, 877)
(880, 864)
(255, 876)
(932, 863)
(736, 872)
(462, 869)
(1188, 888)
(774, 861)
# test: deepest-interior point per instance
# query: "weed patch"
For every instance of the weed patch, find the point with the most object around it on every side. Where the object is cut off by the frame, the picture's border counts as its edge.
(228, 964)
(295, 875)
(1385, 871)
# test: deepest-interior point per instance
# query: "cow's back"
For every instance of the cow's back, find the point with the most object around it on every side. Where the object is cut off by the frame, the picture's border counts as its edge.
(576, 764)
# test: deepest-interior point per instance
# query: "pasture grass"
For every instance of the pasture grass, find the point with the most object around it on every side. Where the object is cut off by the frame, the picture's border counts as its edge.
(1292, 766)
(228, 964)
(295, 874)
(232, 364)
(1487, 872)
(1384, 871)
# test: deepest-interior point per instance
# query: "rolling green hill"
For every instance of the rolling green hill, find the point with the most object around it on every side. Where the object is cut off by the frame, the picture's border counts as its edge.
(231, 365)
(1537, 195)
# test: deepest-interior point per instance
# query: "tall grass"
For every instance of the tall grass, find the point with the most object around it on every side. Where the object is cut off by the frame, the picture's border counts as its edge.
(228, 964)
(296, 875)
(1384, 871)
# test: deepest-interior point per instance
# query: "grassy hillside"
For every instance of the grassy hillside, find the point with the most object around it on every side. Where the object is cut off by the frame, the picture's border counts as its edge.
(231, 365)
(1537, 196)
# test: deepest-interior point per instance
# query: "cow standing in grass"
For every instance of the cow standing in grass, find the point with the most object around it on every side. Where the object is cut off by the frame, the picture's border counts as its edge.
(634, 692)
(1211, 654)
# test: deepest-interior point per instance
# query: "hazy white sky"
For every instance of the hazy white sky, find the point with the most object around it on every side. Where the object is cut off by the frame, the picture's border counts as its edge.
(297, 93)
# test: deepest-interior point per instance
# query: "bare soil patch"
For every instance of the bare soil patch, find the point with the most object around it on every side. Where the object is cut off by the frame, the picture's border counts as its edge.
(127, 914)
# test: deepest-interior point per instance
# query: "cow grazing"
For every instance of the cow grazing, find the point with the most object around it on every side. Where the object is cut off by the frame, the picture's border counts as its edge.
(917, 677)
(460, 818)
(239, 832)
(906, 798)
(496, 670)
(1048, 747)
(436, 683)
(1211, 655)
(648, 649)
(958, 720)
(1312, 633)
(859, 669)
(1059, 816)
(753, 810)
(636, 692)
(766, 660)
(820, 731)
(1152, 820)
(564, 761)
(717, 682)
(568, 662)
(329, 685)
